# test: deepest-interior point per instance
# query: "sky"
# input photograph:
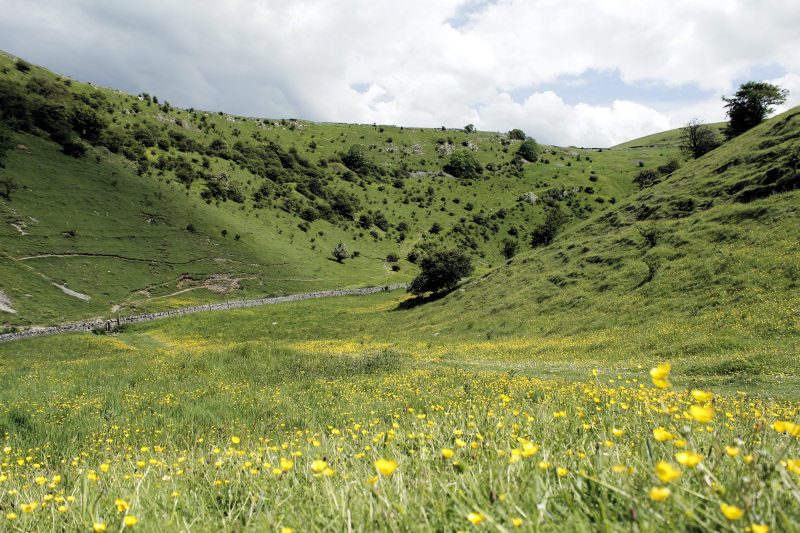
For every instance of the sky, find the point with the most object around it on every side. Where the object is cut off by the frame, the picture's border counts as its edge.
(588, 73)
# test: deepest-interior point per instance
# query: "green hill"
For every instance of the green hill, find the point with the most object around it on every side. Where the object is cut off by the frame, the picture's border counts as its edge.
(669, 138)
(142, 206)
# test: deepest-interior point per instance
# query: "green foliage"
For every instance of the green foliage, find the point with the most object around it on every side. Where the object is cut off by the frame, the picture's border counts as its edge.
(509, 248)
(440, 271)
(22, 66)
(340, 252)
(528, 150)
(355, 158)
(517, 135)
(469, 128)
(750, 105)
(697, 139)
(543, 234)
(646, 178)
(669, 167)
(462, 164)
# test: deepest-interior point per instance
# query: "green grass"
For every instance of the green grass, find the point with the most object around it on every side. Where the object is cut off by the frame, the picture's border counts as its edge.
(534, 373)
(111, 209)
(149, 416)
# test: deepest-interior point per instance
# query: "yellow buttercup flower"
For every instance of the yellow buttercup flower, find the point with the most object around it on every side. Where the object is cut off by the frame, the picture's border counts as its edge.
(661, 371)
(475, 518)
(385, 467)
(701, 396)
(286, 464)
(318, 466)
(529, 449)
(11, 516)
(29, 507)
(759, 528)
(659, 493)
(516, 522)
(731, 512)
(733, 451)
(561, 471)
(662, 434)
(235, 439)
(617, 432)
(122, 505)
(666, 472)
(661, 383)
(130, 521)
(688, 458)
(701, 414)
(99, 526)
(447, 452)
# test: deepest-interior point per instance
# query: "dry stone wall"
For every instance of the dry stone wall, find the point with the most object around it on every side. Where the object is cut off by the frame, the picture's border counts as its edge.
(110, 324)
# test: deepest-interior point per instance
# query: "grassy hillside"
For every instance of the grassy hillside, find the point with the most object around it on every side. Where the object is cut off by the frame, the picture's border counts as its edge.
(268, 199)
(669, 138)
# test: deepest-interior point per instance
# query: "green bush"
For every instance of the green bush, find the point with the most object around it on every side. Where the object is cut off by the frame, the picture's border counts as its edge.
(441, 270)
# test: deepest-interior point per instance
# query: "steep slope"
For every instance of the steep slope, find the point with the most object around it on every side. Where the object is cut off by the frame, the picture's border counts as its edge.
(142, 206)
(705, 262)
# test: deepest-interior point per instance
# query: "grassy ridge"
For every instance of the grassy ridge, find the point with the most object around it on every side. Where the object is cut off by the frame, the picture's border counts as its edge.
(156, 191)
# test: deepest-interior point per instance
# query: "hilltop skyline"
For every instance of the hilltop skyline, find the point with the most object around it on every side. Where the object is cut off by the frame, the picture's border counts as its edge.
(582, 74)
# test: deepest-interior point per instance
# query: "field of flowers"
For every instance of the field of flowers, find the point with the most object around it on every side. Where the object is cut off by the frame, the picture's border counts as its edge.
(151, 433)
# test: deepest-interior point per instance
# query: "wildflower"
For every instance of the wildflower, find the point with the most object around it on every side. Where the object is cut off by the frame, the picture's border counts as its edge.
(688, 458)
(731, 512)
(29, 507)
(659, 493)
(130, 521)
(701, 414)
(447, 452)
(99, 526)
(287, 530)
(104, 467)
(460, 443)
(666, 472)
(661, 383)
(759, 528)
(544, 465)
(328, 472)
(235, 439)
(617, 432)
(733, 451)
(701, 396)
(385, 467)
(286, 464)
(561, 471)
(529, 449)
(318, 466)
(659, 375)
(516, 522)
(11, 516)
(475, 518)
(661, 434)
(62, 508)
(372, 480)
(122, 505)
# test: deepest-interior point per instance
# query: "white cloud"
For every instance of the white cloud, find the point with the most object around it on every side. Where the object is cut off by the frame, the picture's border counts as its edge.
(300, 58)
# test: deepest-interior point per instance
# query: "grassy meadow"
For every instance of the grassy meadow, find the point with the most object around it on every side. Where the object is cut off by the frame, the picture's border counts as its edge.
(272, 418)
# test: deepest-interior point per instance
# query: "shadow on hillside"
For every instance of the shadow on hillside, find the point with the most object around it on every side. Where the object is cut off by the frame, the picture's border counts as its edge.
(411, 303)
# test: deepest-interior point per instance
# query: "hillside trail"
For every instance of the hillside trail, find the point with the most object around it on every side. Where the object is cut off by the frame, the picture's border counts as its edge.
(109, 325)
